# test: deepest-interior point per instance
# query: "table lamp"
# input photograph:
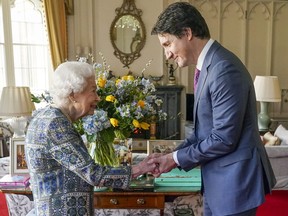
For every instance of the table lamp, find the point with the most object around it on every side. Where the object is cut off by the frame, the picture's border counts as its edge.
(267, 90)
(16, 102)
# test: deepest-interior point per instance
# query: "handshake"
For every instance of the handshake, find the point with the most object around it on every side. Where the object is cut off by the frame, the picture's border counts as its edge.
(156, 164)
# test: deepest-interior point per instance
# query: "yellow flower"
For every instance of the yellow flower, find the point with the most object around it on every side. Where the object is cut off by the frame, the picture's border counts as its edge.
(131, 78)
(124, 77)
(110, 98)
(117, 81)
(144, 125)
(141, 103)
(101, 82)
(128, 77)
(136, 123)
(114, 122)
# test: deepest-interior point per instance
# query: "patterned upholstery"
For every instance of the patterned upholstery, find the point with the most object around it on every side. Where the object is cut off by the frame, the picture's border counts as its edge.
(168, 211)
(7, 131)
(18, 205)
(188, 205)
(4, 166)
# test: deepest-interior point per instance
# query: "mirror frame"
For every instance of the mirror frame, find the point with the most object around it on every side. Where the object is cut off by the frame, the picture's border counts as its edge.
(128, 8)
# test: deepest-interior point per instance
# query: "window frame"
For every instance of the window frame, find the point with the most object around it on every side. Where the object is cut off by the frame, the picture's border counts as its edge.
(8, 55)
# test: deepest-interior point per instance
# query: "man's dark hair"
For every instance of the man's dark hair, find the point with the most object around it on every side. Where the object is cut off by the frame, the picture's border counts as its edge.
(179, 16)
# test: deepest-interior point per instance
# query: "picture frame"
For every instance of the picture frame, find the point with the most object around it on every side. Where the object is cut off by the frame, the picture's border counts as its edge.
(18, 163)
(162, 146)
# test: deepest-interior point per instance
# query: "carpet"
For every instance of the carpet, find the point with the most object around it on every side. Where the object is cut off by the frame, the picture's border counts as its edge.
(276, 204)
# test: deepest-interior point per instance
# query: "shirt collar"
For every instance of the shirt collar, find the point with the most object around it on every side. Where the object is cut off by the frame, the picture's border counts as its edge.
(203, 54)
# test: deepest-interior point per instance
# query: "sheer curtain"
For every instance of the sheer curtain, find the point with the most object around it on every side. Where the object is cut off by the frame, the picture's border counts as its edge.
(30, 44)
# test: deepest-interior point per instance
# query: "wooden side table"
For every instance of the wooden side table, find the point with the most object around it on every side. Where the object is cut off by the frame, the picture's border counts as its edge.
(137, 200)
(130, 200)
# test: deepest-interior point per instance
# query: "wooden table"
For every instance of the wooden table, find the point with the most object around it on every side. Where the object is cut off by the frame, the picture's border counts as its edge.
(19, 191)
(141, 200)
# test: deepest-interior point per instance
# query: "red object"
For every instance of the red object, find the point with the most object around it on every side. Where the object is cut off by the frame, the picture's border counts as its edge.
(3, 205)
(276, 204)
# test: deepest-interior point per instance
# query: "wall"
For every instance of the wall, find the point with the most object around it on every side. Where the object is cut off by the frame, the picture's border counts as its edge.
(90, 27)
(256, 31)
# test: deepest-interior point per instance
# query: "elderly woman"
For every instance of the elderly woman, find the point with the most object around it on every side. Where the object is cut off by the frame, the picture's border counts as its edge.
(62, 172)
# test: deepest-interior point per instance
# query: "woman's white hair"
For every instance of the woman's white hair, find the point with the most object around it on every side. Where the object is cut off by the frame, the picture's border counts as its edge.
(70, 76)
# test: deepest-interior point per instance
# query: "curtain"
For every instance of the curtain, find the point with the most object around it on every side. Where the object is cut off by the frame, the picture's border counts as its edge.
(57, 30)
(69, 7)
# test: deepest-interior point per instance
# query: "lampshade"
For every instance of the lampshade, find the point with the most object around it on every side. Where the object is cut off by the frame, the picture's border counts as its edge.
(16, 101)
(267, 89)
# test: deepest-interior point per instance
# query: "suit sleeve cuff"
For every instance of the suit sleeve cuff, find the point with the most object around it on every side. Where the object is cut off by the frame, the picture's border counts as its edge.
(175, 158)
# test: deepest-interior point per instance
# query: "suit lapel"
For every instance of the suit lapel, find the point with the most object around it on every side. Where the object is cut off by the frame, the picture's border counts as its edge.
(203, 77)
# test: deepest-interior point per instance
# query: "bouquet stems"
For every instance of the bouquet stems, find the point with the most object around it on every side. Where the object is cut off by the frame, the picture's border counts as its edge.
(103, 153)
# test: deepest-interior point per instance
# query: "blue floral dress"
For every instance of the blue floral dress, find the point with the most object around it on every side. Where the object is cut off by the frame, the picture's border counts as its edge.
(62, 172)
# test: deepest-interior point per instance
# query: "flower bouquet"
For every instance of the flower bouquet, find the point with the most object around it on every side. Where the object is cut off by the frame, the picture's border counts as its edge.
(128, 103)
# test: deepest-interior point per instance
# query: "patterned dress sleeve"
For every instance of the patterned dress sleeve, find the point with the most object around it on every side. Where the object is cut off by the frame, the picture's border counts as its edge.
(67, 148)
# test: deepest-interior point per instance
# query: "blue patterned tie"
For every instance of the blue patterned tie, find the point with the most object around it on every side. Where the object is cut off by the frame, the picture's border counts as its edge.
(196, 77)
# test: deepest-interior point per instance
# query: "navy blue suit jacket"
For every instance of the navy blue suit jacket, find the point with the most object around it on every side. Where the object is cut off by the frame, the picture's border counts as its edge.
(236, 171)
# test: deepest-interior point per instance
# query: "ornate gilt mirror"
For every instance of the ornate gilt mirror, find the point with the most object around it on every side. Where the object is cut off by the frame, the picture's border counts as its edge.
(127, 33)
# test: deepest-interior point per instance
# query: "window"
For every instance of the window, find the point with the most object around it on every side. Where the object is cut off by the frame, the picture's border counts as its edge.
(24, 50)
(2, 74)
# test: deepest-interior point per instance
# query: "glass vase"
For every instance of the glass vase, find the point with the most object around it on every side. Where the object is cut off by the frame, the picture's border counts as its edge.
(103, 153)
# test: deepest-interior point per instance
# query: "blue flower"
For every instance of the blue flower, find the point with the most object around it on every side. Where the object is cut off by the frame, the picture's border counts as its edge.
(95, 123)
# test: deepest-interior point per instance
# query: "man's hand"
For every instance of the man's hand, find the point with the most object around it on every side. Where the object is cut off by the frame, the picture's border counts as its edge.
(143, 167)
(163, 162)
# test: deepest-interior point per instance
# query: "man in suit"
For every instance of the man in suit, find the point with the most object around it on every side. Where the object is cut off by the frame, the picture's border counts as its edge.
(236, 172)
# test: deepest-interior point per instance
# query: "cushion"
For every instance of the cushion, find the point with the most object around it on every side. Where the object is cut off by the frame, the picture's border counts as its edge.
(4, 166)
(282, 133)
(278, 152)
(269, 139)
(6, 129)
(278, 156)
(188, 205)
